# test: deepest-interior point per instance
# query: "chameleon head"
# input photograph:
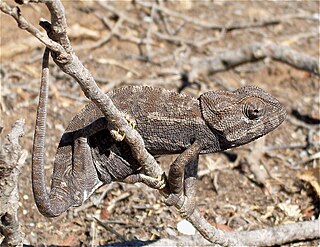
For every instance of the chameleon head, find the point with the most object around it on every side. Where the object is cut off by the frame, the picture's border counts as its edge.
(241, 116)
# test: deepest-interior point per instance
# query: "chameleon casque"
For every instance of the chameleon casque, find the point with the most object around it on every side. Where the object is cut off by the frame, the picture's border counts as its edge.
(170, 123)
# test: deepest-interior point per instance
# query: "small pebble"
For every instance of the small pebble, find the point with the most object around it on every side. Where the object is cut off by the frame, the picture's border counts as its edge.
(185, 227)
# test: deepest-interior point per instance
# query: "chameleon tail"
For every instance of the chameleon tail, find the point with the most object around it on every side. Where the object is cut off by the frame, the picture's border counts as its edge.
(47, 207)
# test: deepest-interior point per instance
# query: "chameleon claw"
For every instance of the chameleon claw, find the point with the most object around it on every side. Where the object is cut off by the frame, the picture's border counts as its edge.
(162, 181)
(154, 183)
(131, 121)
(187, 207)
(157, 183)
(117, 135)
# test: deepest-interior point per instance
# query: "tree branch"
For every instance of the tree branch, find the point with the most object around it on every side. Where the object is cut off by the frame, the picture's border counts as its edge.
(267, 237)
(25, 25)
(72, 66)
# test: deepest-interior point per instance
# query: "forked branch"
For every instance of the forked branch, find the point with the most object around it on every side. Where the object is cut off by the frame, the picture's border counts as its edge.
(70, 64)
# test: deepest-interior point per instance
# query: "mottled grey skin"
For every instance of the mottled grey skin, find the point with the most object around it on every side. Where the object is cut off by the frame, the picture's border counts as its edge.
(169, 123)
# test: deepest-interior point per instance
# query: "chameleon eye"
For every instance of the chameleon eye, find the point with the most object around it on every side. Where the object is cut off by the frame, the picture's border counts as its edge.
(253, 108)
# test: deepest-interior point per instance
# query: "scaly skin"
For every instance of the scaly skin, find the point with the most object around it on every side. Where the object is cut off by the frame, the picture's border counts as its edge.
(88, 156)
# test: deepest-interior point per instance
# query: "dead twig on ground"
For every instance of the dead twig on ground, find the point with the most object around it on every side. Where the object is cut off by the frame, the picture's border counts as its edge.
(253, 53)
(115, 33)
(263, 237)
(118, 64)
(119, 13)
(148, 41)
(106, 39)
(110, 229)
(12, 159)
(180, 41)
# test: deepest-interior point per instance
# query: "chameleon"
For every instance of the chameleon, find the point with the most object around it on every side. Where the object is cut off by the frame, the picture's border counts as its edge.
(170, 123)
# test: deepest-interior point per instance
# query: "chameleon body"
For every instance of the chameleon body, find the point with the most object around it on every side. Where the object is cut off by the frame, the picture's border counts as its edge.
(170, 123)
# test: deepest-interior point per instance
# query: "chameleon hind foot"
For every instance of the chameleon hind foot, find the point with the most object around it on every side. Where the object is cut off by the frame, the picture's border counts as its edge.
(155, 183)
(185, 205)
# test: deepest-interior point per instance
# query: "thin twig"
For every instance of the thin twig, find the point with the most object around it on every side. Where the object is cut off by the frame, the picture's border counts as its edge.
(118, 64)
(149, 31)
(25, 25)
(119, 13)
(106, 39)
(110, 229)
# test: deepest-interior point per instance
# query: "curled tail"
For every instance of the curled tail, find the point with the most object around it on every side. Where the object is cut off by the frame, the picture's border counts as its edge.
(46, 206)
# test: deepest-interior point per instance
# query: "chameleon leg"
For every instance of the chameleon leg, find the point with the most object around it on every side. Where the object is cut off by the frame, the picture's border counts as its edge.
(75, 182)
(83, 171)
(190, 181)
(177, 185)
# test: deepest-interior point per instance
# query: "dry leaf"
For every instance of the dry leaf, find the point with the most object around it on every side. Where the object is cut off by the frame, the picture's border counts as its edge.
(312, 176)
(289, 209)
(224, 227)
(70, 240)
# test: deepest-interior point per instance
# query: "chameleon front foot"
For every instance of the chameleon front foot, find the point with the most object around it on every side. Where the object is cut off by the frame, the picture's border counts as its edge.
(119, 135)
(131, 121)
(173, 199)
